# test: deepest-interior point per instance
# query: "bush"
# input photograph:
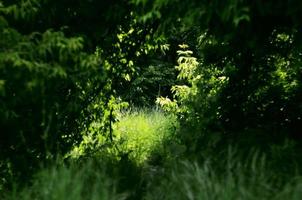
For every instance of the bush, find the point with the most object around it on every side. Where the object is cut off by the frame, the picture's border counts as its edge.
(138, 133)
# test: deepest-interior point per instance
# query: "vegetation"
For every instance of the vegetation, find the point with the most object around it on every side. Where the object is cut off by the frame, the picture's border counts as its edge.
(240, 180)
(70, 182)
(142, 99)
(138, 135)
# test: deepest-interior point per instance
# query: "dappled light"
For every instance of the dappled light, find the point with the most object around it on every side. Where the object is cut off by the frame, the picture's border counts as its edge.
(150, 100)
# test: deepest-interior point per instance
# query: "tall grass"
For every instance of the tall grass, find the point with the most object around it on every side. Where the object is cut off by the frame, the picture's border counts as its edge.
(116, 175)
(137, 134)
(142, 132)
(124, 171)
(234, 178)
(75, 182)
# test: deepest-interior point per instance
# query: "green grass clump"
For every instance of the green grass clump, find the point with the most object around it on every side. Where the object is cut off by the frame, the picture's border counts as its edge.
(137, 133)
(233, 178)
(142, 132)
(85, 181)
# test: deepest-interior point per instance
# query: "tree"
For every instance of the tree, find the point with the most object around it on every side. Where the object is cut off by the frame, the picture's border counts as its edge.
(64, 65)
(47, 83)
(254, 46)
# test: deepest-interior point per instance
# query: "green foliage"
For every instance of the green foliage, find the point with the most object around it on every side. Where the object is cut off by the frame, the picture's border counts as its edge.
(52, 87)
(137, 134)
(141, 133)
(194, 102)
(85, 181)
(227, 175)
(231, 178)
(47, 83)
(95, 21)
(248, 74)
(67, 72)
(134, 67)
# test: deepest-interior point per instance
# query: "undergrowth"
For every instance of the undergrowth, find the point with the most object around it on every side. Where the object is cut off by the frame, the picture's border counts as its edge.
(142, 132)
(233, 177)
(75, 181)
(137, 134)
(147, 162)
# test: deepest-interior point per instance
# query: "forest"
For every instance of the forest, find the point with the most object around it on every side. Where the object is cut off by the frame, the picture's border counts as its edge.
(150, 99)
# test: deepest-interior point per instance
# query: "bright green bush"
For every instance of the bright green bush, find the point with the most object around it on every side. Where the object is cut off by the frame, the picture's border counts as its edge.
(142, 132)
(138, 133)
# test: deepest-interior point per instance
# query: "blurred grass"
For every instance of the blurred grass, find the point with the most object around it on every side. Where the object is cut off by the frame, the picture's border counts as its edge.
(85, 181)
(235, 178)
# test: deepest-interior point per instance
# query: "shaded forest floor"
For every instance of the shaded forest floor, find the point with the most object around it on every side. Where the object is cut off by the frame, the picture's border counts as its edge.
(147, 161)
